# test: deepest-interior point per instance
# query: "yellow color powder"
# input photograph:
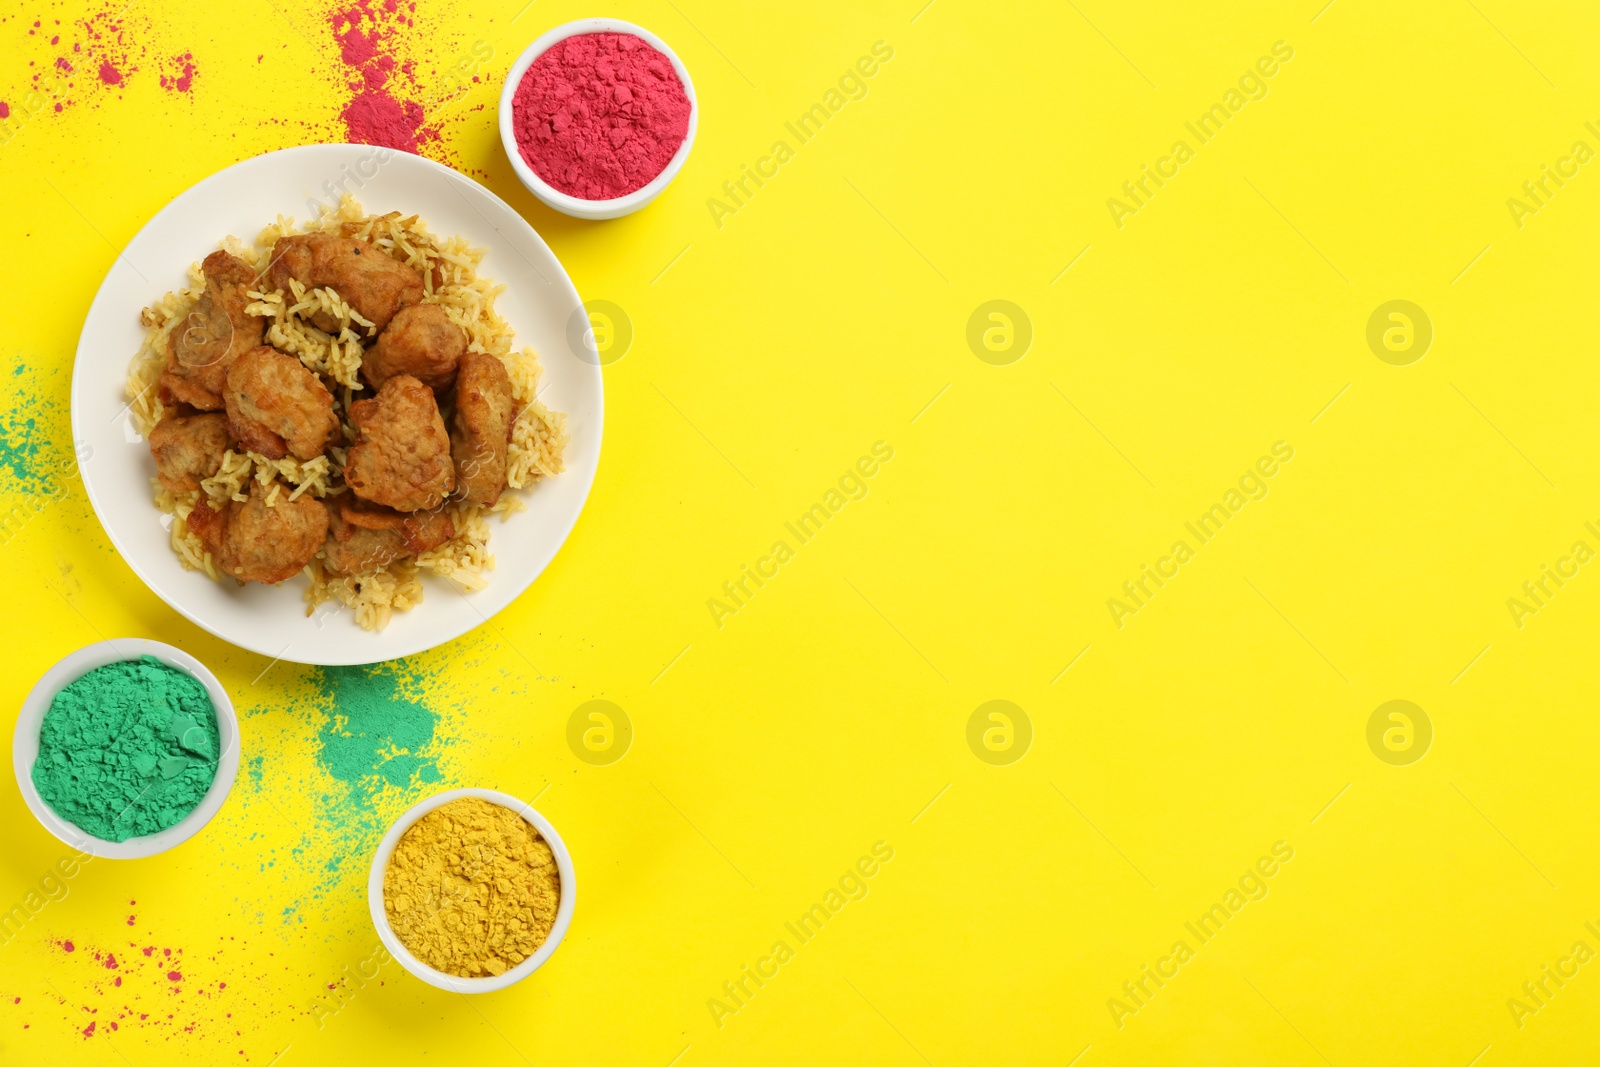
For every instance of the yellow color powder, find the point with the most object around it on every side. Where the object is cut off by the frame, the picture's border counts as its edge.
(471, 888)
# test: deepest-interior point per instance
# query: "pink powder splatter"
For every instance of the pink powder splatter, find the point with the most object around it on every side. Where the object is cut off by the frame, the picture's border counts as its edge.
(380, 111)
(174, 976)
(68, 946)
(180, 75)
(105, 43)
(88, 1031)
(5, 110)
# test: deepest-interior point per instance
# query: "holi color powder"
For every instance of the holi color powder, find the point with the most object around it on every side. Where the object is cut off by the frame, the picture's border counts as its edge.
(384, 106)
(377, 734)
(402, 72)
(20, 450)
(178, 73)
(35, 432)
(376, 739)
(379, 745)
(99, 54)
(599, 115)
(160, 989)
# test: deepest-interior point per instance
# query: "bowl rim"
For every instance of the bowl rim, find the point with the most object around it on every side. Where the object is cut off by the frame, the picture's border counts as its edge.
(452, 982)
(566, 203)
(68, 669)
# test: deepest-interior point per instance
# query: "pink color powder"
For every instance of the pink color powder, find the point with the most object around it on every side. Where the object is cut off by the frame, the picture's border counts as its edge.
(180, 74)
(377, 113)
(599, 115)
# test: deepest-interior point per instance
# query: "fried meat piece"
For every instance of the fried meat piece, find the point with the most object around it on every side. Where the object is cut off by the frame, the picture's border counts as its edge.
(420, 341)
(376, 285)
(216, 331)
(363, 539)
(480, 432)
(277, 407)
(252, 542)
(188, 449)
(401, 457)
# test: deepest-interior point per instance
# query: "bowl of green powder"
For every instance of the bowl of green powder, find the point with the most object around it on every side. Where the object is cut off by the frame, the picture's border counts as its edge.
(126, 748)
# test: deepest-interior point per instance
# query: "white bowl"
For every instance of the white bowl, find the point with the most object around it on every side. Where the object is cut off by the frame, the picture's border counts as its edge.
(453, 982)
(576, 206)
(25, 746)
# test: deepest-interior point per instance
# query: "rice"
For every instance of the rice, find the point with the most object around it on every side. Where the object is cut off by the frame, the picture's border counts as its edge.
(336, 355)
(451, 280)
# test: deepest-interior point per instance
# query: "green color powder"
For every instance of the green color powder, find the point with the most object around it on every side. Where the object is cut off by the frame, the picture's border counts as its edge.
(33, 429)
(127, 750)
(375, 730)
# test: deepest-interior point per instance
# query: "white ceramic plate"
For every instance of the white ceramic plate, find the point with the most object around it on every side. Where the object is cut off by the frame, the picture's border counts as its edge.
(539, 302)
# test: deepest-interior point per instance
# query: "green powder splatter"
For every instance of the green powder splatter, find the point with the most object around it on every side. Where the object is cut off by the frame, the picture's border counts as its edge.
(128, 749)
(377, 734)
(378, 741)
(20, 447)
(35, 459)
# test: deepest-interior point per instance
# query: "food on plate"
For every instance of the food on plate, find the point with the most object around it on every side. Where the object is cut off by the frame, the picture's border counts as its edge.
(401, 456)
(188, 449)
(374, 284)
(216, 329)
(262, 538)
(276, 406)
(317, 440)
(420, 341)
(363, 539)
(481, 429)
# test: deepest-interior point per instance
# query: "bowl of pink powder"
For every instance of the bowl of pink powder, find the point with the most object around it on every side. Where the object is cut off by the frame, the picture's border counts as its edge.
(597, 116)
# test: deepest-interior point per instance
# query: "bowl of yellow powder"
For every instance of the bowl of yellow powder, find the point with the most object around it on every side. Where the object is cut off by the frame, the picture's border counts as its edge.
(126, 748)
(471, 890)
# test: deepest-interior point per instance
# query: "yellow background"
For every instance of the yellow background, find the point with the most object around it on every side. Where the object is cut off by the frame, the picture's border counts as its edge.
(770, 353)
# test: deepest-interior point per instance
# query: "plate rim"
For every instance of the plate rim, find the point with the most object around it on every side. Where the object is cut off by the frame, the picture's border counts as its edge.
(79, 384)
